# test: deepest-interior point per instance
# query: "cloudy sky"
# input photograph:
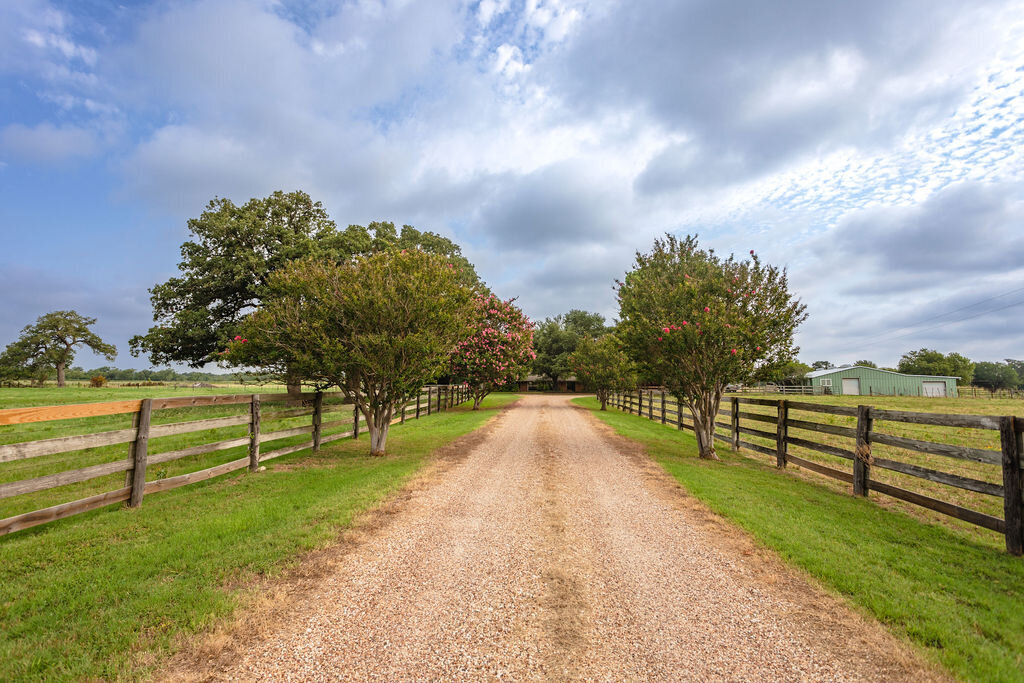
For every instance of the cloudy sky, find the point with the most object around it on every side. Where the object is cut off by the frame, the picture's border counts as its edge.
(874, 147)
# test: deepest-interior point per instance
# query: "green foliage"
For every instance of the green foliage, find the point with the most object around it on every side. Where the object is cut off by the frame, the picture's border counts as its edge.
(51, 344)
(227, 264)
(865, 363)
(378, 327)
(822, 365)
(603, 366)
(698, 321)
(995, 376)
(556, 338)
(791, 373)
(931, 362)
(499, 350)
(1018, 366)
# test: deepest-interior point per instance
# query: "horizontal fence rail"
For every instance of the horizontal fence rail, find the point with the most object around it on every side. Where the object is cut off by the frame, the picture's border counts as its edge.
(751, 416)
(431, 399)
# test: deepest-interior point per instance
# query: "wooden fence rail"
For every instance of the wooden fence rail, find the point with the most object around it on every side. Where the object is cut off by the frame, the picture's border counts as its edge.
(135, 465)
(1008, 458)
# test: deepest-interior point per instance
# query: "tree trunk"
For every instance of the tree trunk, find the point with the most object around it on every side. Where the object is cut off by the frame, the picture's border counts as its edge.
(293, 382)
(704, 411)
(602, 396)
(378, 438)
(60, 374)
(378, 421)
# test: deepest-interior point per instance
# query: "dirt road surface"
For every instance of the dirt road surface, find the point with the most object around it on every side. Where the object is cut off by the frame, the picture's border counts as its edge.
(554, 550)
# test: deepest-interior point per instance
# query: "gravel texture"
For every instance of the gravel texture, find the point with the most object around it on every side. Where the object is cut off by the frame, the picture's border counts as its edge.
(555, 550)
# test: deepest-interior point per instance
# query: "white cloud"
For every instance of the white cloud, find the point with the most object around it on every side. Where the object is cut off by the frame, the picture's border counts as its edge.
(46, 143)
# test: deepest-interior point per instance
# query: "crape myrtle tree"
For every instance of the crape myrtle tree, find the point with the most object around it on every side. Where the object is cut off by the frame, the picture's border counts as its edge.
(698, 321)
(603, 365)
(378, 327)
(233, 250)
(51, 344)
(499, 351)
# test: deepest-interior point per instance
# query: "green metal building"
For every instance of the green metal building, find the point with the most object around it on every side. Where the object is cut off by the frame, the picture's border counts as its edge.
(857, 380)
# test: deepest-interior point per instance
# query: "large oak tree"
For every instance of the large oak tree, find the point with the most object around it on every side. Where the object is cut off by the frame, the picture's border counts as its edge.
(232, 253)
(51, 344)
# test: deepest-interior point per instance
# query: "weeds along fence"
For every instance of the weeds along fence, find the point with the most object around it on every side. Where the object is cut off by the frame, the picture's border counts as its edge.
(892, 452)
(202, 440)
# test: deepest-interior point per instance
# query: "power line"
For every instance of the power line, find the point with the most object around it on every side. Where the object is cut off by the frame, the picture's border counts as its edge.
(951, 322)
(943, 315)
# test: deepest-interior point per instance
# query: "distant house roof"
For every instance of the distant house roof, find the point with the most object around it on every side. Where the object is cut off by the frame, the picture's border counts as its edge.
(829, 371)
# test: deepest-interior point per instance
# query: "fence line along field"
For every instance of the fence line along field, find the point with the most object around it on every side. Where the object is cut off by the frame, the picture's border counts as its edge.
(58, 461)
(958, 467)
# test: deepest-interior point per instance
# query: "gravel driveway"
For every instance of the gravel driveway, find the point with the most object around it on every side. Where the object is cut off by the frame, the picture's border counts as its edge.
(554, 550)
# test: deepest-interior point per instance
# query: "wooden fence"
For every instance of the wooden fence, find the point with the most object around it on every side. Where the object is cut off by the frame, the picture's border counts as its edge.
(431, 399)
(858, 441)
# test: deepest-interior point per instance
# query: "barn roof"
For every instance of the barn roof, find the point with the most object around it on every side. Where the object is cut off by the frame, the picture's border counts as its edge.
(830, 371)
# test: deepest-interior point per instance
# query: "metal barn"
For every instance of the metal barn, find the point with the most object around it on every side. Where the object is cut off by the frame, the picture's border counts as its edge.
(857, 380)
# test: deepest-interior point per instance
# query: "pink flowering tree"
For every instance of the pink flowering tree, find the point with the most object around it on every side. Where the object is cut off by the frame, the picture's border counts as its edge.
(500, 349)
(698, 321)
(603, 366)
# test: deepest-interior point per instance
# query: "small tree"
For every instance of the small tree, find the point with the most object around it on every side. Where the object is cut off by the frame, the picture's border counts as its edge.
(51, 343)
(377, 327)
(698, 321)
(932, 362)
(994, 376)
(557, 337)
(602, 365)
(500, 349)
(865, 363)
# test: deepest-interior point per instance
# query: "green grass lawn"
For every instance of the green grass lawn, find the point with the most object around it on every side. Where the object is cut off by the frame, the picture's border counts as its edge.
(960, 601)
(83, 597)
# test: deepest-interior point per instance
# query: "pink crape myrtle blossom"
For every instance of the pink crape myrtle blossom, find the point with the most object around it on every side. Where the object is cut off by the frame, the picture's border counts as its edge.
(499, 351)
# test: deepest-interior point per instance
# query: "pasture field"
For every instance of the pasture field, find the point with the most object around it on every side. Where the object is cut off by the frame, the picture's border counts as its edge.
(109, 593)
(978, 438)
(957, 599)
(58, 462)
(52, 395)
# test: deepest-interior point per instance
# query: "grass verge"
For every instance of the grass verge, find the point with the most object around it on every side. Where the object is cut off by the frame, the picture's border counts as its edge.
(959, 601)
(85, 597)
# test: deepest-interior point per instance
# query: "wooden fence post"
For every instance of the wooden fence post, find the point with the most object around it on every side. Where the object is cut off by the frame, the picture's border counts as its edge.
(662, 406)
(418, 394)
(404, 406)
(781, 432)
(1013, 502)
(439, 390)
(428, 400)
(640, 403)
(254, 433)
(650, 406)
(318, 409)
(139, 450)
(355, 422)
(734, 421)
(862, 454)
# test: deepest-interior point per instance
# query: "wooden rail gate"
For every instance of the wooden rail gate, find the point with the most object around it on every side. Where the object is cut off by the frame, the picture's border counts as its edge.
(433, 399)
(657, 405)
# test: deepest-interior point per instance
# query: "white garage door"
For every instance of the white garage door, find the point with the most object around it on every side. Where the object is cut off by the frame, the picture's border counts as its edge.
(851, 386)
(937, 389)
